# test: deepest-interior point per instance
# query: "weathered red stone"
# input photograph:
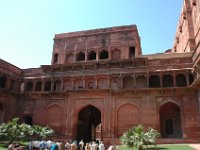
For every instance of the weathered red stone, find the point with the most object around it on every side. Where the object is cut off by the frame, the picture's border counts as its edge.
(99, 84)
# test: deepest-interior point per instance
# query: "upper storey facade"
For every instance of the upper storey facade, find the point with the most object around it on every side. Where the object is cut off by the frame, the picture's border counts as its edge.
(187, 35)
(115, 43)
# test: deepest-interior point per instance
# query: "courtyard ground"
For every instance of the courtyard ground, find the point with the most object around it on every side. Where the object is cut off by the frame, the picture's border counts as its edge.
(195, 146)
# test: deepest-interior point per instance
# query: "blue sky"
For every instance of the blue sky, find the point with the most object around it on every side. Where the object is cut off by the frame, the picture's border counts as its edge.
(27, 27)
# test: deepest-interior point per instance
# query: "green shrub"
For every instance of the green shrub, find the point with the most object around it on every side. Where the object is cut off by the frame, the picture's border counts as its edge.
(137, 137)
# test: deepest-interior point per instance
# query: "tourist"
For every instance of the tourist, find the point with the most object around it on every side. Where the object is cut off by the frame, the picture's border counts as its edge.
(54, 146)
(101, 146)
(81, 145)
(30, 145)
(67, 145)
(87, 146)
(94, 146)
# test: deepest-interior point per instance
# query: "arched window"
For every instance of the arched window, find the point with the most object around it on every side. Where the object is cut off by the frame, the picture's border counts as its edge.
(69, 58)
(103, 83)
(3, 80)
(92, 55)
(90, 84)
(57, 86)
(191, 78)
(29, 86)
(116, 54)
(128, 82)
(13, 85)
(103, 54)
(68, 85)
(154, 81)
(115, 83)
(80, 56)
(47, 86)
(167, 80)
(78, 84)
(55, 59)
(181, 80)
(38, 86)
(141, 82)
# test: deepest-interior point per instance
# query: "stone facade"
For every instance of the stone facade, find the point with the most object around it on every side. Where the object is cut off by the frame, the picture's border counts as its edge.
(99, 84)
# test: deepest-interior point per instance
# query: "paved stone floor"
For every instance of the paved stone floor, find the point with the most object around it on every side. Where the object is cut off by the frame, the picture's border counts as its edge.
(195, 146)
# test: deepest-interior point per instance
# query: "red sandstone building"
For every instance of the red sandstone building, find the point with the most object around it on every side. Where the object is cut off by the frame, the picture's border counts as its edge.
(99, 84)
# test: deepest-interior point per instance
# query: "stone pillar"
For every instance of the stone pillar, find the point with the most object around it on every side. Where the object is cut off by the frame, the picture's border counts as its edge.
(61, 84)
(73, 86)
(97, 55)
(187, 78)
(134, 80)
(147, 77)
(96, 82)
(52, 84)
(83, 79)
(121, 81)
(43, 82)
(174, 78)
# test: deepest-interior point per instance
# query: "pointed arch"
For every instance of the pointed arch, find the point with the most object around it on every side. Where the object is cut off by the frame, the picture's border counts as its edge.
(141, 82)
(80, 56)
(115, 83)
(154, 81)
(3, 81)
(181, 80)
(38, 86)
(128, 115)
(128, 82)
(89, 118)
(167, 80)
(57, 86)
(47, 86)
(103, 54)
(28, 108)
(92, 55)
(2, 112)
(54, 115)
(116, 54)
(29, 86)
(69, 58)
(170, 120)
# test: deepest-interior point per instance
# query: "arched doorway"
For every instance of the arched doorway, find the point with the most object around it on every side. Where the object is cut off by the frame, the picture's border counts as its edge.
(28, 120)
(2, 113)
(88, 120)
(170, 121)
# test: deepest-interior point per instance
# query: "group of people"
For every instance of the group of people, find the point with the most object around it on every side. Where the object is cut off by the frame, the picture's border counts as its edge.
(52, 145)
(45, 145)
(95, 145)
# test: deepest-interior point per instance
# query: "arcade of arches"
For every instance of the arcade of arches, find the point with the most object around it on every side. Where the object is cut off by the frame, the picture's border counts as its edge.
(90, 124)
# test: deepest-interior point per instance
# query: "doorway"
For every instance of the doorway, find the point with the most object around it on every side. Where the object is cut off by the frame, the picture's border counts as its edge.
(170, 121)
(28, 120)
(89, 119)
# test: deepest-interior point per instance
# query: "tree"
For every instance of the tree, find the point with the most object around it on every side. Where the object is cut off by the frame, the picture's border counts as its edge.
(136, 137)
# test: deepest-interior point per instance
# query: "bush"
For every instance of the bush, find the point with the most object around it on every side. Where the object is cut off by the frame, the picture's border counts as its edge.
(137, 137)
(13, 131)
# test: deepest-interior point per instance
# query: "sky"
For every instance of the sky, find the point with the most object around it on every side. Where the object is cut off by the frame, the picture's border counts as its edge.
(27, 27)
